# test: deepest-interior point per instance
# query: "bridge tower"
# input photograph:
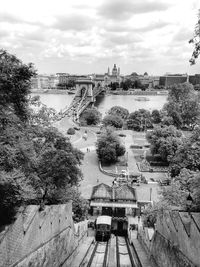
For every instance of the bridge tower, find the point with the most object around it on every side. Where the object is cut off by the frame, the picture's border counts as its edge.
(84, 88)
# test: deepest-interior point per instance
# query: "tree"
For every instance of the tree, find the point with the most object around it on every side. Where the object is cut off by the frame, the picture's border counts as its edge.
(139, 120)
(156, 117)
(196, 42)
(164, 141)
(183, 105)
(119, 111)
(91, 116)
(36, 161)
(15, 83)
(109, 147)
(187, 155)
(113, 120)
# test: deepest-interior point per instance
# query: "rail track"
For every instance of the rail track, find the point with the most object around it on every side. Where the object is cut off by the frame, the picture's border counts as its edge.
(98, 254)
(123, 253)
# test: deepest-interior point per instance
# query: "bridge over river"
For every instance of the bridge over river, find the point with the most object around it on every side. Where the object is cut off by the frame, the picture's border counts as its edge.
(86, 93)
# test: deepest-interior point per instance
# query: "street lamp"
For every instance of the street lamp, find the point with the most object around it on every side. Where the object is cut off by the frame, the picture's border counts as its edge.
(189, 201)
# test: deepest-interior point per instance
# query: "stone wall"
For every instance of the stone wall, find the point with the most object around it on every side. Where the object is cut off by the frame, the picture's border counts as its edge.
(176, 241)
(47, 238)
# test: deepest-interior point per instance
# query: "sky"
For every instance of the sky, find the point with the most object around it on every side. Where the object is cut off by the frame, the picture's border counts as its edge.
(88, 36)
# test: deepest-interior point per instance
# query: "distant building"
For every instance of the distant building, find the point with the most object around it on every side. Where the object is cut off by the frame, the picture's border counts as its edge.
(171, 79)
(44, 81)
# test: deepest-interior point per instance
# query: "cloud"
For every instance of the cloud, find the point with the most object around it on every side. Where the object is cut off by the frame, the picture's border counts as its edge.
(123, 10)
(77, 22)
(10, 18)
(183, 35)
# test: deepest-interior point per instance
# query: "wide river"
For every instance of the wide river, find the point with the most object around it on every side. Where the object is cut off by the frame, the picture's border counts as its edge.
(104, 103)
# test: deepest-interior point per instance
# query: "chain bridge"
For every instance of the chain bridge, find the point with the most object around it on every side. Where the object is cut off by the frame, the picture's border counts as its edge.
(86, 93)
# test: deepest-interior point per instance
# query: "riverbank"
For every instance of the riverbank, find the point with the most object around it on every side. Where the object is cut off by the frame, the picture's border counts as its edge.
(49, 91)
(136, 92)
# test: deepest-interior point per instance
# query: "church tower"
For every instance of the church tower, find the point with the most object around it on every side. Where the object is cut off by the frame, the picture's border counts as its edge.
(118, 71)
(108, 71)
(114, 70)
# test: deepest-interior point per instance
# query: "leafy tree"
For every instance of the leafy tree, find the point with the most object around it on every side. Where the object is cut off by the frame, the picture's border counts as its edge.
(197, 87)
(36, 161)
(109, 147)
(196, 42)
(14, 83)
(183, 105)
(187, 155)
(119, 111)
(139, 120)
(164, 141)
(156, 117)
(40, 114)
(91, 116)
(113, 120)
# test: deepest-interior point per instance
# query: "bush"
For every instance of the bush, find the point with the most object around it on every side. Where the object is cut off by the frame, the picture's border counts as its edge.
(92, 116)
(71, 131)
(109, 147)
(113, 120)
(122, 135)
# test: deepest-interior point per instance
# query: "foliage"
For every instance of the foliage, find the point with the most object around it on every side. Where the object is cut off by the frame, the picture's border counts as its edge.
(156, 117)
(125, 85)
(196, 42)
(164, 141)
(36, 161)
(152, 211)
(119, 111)
(15, 189)
(14, 83)
(91, 116)
(114, 85)
(139, 120)
(71, 131)
(187, 155)
(113, 120)
(197, 87)
(40, 114)
(109, 147)
(183, 106)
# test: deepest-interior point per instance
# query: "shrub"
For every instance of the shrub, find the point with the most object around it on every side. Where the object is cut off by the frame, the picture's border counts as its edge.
(113, 120)
(71, 131)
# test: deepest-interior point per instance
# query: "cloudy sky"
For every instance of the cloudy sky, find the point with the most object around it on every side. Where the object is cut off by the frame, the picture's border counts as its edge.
(87, 36)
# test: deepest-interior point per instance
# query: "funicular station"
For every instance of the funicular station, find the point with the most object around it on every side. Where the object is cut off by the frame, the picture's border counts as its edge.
(118, 201)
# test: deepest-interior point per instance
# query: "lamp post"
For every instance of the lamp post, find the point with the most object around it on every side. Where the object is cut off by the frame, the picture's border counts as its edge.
(189, 201)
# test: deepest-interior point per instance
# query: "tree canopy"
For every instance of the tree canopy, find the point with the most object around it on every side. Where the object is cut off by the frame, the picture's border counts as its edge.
(36, 161)
(109, 147)
(196, 42)
(139, 120)
(119, 111)
(164, 141)
(113, 120)
(91, 116)
(183, 105)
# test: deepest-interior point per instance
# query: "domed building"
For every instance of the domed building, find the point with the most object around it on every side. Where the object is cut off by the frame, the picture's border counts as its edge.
(114, 77)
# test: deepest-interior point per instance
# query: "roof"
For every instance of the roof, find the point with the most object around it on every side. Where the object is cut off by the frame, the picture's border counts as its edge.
(125, 192)
(104, 220)
(113, 204)
(101, 191)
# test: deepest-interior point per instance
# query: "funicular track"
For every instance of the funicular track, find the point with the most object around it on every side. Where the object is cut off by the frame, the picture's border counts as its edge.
(98, 256)
(124, 255)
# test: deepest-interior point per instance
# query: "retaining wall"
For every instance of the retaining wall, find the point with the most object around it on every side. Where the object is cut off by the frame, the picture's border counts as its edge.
(47, 238)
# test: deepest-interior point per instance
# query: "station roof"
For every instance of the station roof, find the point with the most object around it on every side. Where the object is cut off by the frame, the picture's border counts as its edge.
(123, 192)
(113, 204)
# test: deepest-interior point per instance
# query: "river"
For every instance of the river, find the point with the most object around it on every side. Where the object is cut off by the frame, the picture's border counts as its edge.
(104, 103)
